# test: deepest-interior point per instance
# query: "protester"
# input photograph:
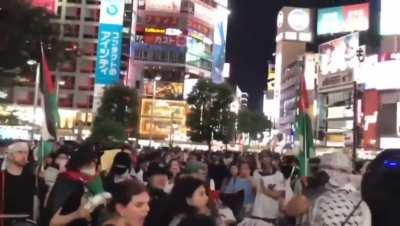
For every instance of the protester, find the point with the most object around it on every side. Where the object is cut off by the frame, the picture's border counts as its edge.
(120, 170)
(188, 198)
(157, 177)
(340, 203)
(129, 205)
(381, 188)
(174, 170)
(17, 183)
(66, 202)
(197, 170)
(218, 169)
(270, 189)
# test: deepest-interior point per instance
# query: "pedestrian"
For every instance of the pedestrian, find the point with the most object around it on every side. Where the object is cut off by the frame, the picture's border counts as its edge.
(129, 205)
(17, 183)
(66, 202)
(157, 177)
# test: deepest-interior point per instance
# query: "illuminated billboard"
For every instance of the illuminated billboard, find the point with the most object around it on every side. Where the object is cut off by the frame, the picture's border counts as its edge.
(389, 17)
(339, 54)
(343, 19)
(163, 5)
(164, 90)
(49, 5)
(165, 115)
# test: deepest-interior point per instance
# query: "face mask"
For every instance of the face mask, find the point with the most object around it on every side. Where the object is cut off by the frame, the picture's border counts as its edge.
(89, 171)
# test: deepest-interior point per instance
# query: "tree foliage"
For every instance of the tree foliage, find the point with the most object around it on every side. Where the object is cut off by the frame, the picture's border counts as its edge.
(23, 29)
(210, 116)
(119, 107)
(108, 131)
(252, 122)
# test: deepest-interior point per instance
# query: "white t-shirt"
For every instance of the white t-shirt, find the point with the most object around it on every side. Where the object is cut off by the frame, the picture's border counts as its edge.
(265, 206)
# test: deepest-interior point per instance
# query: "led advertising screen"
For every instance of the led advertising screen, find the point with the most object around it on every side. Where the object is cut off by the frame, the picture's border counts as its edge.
(342, 19)
(390, 16)
(339, 54)
(163, 5)
(164, 90)
(164, 116)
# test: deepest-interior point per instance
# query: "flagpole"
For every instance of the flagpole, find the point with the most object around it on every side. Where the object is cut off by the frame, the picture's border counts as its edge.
(35, 98)
(305, 153)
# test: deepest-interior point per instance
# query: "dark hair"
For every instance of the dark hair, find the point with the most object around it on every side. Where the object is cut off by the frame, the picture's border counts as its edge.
(381, 188)
(80, 158)
(197, 220)
(122, 192)
(183, 189)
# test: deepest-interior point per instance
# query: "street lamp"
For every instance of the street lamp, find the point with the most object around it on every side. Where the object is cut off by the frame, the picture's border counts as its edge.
(157, 78)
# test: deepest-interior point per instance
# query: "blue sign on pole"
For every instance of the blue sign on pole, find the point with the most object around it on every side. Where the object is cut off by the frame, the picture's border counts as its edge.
(109, 43)
(108, 54)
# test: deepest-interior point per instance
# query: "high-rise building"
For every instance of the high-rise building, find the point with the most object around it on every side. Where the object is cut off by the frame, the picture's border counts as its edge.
(175, 45)
(78, 23)
(167, 45)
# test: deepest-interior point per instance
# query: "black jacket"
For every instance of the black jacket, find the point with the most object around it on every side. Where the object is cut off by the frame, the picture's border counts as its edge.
(159, 214)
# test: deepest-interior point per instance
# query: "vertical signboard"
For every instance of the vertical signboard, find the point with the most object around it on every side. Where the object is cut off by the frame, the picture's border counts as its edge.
(130, 79)
(218, 54)
(109, 44)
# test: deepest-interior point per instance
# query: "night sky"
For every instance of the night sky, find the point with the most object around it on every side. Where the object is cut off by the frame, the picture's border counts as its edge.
(251, 40)
(250, 44)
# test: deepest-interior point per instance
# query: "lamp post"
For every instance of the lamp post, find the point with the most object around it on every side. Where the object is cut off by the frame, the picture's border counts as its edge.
(157, 78)
(33, 63)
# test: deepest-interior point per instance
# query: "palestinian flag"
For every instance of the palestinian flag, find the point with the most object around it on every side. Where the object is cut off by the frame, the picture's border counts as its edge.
(50, 109)
(304, 129)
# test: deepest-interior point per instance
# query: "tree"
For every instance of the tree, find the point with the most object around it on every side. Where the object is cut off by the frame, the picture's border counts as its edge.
(210, 117)
(117, 114)
(24, 28)
(253, 122)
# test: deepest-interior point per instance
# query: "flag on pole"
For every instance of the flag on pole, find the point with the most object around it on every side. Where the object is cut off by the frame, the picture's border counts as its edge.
(50, 109)
(304, 129)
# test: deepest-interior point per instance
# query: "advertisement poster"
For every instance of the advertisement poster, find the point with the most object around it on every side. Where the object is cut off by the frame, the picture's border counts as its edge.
(219, 46)
(164, 90)
(339, 54)
(166, 114)
(342, 19)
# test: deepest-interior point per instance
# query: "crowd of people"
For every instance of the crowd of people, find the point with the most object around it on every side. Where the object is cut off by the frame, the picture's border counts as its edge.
(173, 187)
